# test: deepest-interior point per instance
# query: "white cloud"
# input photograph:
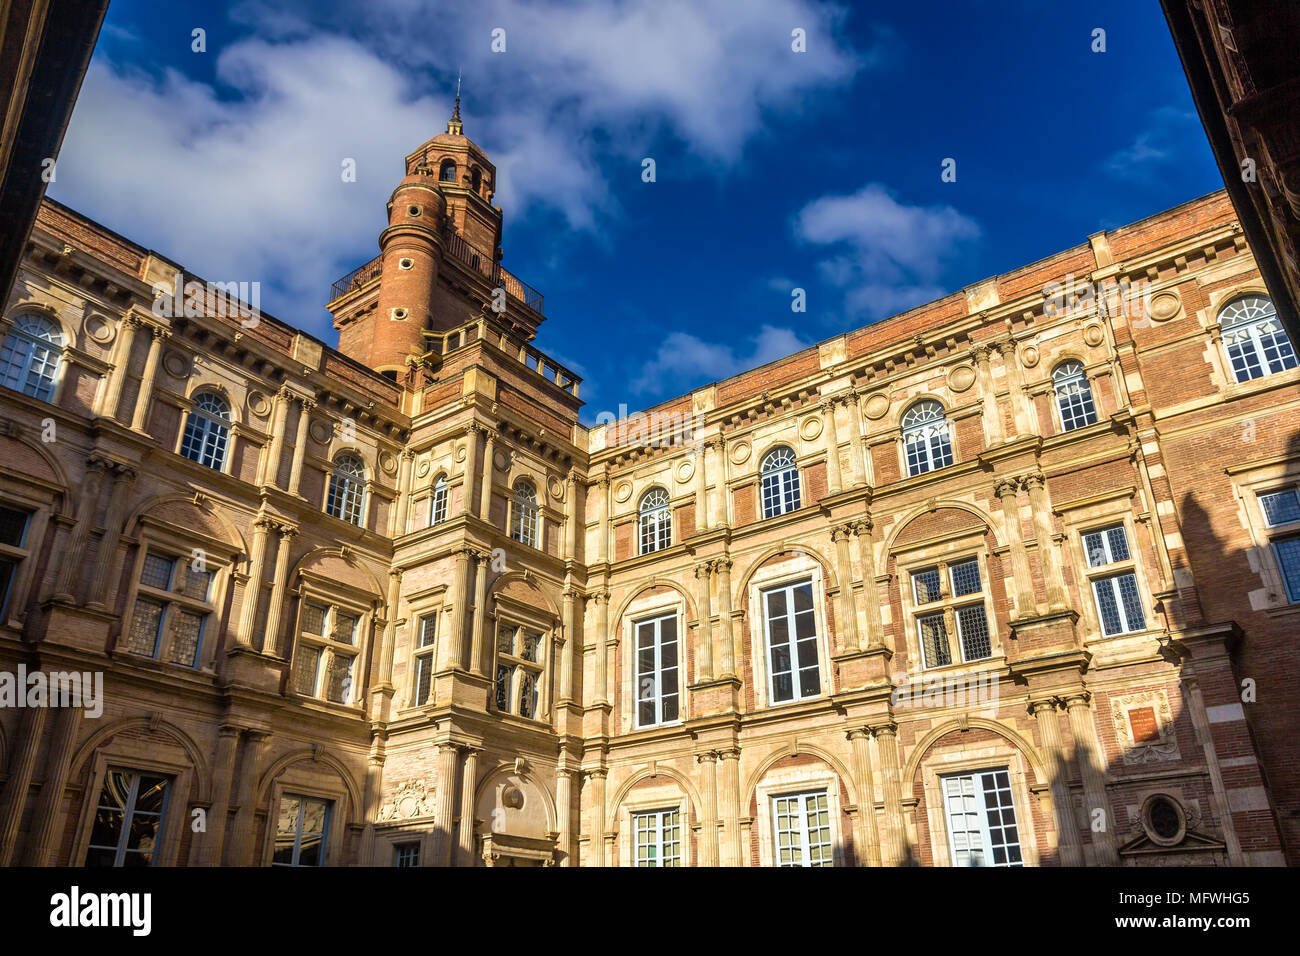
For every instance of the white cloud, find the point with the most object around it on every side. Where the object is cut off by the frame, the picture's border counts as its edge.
(240, 179)
(1160, 144)
(686, 361)
(893, 253)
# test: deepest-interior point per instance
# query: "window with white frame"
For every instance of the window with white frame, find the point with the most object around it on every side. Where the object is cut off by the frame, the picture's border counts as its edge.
(325, 659)
(981, 816)
(927, 443)
(207, 431)
(790, 626)
(300, 832)
(438, 501)
(658, 835)
(657, 670)
(13, 550)
(406, 854)
(520, 659)
(30, 355)
(949, 599)
(1281, 511)
(173, 608)
(655, 523)
(801, 829)
(1253, 336)
(1113, 577)
(347, 490)
(425, 644)
(1073, 396)
(128, 818)
(780, 482)
(523, 522)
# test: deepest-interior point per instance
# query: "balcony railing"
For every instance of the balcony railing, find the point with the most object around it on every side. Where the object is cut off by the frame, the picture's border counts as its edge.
(463, 252)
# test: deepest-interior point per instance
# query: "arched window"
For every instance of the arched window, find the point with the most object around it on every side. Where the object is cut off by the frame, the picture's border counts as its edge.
(1073, 396)
(1257, 344)
(656, 523)
(207, 431)
(447, 171)
(30, 355)
(438, 501)
(523, 523)
(475, 178)
(347, 491)
(780, 482)
(925, 438)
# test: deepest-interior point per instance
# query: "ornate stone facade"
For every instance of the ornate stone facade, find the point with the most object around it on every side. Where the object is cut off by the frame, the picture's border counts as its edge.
(513, 639)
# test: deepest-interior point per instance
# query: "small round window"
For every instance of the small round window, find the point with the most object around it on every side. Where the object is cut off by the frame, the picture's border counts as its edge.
(399, 314)
(405, 263)
(1163, 820)
(413, 210)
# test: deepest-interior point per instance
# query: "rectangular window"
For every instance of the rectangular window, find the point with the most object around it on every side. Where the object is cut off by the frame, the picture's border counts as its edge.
(935, 650)
(791, 626)
(925, 585)
(520, 659)
(1119, 605)
(300, 831)
(1106, 546)
(658, 838)
(1287, 551)
(424, 658)
(657, 671)
(172, 607)
(128, 819)
(959, 586)
(325, 658)
(965, 578)
(982, 828)
(801, 825)
(1280, 507)
(973, 630)
(406, 854)
(13, 539)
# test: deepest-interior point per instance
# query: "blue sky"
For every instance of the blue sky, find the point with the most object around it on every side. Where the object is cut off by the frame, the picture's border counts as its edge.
(774, 169)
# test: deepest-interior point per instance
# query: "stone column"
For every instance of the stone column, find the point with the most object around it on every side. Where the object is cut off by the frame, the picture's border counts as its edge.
(269, 473)
(895, 843)
(596, 836)
(123, 478)
(564, 815)
(701, 486)
(468, 502)
(848, 614)
(401, 522)
(868, 838)
(704, 624)
(868, 466)
(13, 800)
(121, 364)
(709, 811)
(275, 613)
(47, 815)
(384, 672)
(834, 471)
(571, 515)
(223, 778)
(445, 807)
(253, 588)
(489, 466)
(857, 473)
(731, 853)
(242, 850)
(1048, 555)
(572, 630)
(141, 415)
(300, 444)
(468, 780)
(455, 652)
(602, 650)
(604, 517)
(1020, 412)
(870, 594)
(1087, 753)
(992, 416)
(479, 639)
(1049, 732)
(727, 657)
(73, 562)
(1006, 490)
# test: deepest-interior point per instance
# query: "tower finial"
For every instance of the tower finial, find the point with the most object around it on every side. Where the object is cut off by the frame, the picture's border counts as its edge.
(454, 124)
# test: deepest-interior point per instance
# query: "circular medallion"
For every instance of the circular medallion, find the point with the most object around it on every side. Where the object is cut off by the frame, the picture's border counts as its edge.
(685, 471)
(259, 404)
(1029, 356)
(1164, 306)
(810, 428)
(99, 329)
(388, 462)
(423, 467)
(320, 431)
(556, 488)
(623, 491)
(1093, 334)
(501, 460)
(740, 452)
(176, 365)
(460, 453)
(961, 378)
(877, 406)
